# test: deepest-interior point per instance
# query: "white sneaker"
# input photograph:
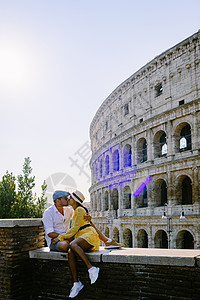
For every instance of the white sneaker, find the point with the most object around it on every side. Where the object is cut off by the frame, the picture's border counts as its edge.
(93, 274)
(76, 289)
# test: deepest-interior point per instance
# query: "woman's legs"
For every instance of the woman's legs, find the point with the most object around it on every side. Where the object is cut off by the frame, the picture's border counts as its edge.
(79, 246)
(63, 246)
(72, 264)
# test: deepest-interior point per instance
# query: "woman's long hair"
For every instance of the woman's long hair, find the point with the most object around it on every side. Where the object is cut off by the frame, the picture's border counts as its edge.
(78, 204)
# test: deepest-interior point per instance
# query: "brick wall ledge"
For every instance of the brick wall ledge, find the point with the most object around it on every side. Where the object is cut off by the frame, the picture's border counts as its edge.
(143, 256)
(21, 222)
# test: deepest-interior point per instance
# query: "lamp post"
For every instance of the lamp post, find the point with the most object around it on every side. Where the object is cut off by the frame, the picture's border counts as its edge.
(170, 223)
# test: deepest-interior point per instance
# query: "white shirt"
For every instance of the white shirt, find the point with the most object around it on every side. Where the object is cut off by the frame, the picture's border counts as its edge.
(54, 221)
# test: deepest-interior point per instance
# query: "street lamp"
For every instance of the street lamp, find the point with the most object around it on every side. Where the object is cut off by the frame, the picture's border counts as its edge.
(169, 223)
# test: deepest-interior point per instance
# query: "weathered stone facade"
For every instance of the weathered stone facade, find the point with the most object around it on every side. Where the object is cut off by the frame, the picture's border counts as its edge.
(145, 163)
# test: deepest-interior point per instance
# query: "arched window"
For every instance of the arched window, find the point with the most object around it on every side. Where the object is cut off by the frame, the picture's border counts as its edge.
(99, 202)
(185, 138)
(96, 170)
(142, 198)
(163, 144)
(142, 150)
(186, 191)
(184, 240)
(100, 168)
(161, 239)
(160, 144)
(107, 232)
(127, 156)
(114, 199)
(160, 192)
(127, 197)
(116, 234)
(142, 239)
(95, 203)
(115, 161)
(128, 238)
(106, 200)
(107, 165)
(163, 193)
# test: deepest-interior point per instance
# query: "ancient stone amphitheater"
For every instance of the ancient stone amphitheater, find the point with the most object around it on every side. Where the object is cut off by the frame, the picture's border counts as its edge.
(145, 164)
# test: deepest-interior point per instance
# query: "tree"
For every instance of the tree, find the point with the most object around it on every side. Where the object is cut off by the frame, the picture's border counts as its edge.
(41, 202)
(21, 203)
(7, 195)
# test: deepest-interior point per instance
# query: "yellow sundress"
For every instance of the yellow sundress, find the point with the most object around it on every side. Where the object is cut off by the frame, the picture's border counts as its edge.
(89, 233)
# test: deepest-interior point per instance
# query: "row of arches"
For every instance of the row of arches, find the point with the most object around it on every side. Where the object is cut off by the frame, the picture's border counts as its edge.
(159, 195)
(111, 163)
(183, 239)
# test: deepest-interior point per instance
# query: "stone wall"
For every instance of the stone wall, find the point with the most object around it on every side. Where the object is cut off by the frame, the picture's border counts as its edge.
(126, 273)
(29, 271)
(17, 237)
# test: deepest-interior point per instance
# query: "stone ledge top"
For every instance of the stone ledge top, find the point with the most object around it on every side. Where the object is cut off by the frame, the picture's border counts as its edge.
(21, 222)
(152, 256)
(147, 256)
(45, 253)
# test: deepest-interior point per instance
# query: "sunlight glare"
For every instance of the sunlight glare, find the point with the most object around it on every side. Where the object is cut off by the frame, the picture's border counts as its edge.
(16, 69)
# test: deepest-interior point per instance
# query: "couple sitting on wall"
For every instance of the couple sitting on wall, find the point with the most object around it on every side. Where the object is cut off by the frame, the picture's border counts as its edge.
(68, 227)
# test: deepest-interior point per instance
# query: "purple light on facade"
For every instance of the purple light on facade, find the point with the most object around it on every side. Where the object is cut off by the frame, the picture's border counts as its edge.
(142, 186)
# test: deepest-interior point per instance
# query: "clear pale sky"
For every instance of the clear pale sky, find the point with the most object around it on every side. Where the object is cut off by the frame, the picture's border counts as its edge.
(59, 60)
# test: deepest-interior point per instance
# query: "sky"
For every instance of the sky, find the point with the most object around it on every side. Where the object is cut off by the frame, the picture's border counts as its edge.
(59, 60)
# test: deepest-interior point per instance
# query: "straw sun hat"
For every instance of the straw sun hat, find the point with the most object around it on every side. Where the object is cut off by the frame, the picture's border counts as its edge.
(78, 197)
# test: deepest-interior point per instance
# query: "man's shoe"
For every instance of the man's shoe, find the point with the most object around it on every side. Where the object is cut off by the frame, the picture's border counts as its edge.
(93, 274)
(113, 245)
(76, 289)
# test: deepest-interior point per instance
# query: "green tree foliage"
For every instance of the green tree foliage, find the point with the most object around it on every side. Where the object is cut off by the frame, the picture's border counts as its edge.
(7, 195)
(16, 195)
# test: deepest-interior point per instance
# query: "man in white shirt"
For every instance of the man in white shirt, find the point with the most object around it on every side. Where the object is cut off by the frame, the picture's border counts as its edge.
(56, 220)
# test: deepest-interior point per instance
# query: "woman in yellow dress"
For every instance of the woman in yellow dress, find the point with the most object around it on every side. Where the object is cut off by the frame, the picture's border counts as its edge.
(85, 239)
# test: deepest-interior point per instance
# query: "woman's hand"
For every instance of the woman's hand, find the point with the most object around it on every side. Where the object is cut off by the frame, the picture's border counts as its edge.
(87, 218)
(54, 241)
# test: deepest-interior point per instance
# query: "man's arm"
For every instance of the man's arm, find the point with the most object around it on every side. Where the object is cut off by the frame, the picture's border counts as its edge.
(53, 235)
(48, 225)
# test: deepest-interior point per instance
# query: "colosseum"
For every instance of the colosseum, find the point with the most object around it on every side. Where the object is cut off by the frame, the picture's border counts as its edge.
(145, 164)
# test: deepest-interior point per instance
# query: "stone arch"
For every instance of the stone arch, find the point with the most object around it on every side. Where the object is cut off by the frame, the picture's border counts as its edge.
(92, 202)
(141, 199)
(142, 239)
(114, 199)
(160, 144)
(128, 238)
(107, 232)
(106, 200)
(184, 240)
(127, 197)
(183, 137)
(116, 234)
(184, 190)
(161, 239)
(100, 168)
(96, 170)
(95, 202)
(141, 150)
(99, 202)
(115, 160)
(107, 165)
(160, 192)
(127, 155)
